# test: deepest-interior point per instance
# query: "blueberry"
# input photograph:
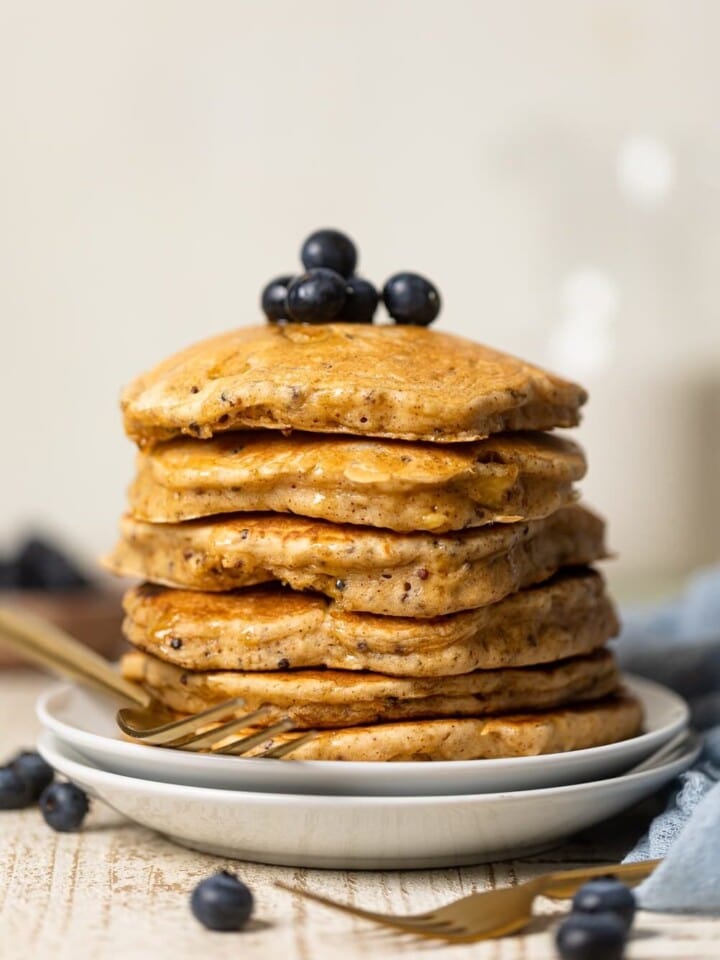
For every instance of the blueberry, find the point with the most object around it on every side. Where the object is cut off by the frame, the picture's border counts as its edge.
(64, 806)
(274, 298)
(606, 894)
(222, 902)
(411, 299)
(361, 303)
(43, 566)
(591, 936)
(34, 771)
(331, 249)
(317, 296)
(15, 792)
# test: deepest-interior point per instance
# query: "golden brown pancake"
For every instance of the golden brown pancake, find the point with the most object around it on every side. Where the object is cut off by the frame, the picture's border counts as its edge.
(363, 569)
(382, 483)
(339, 698)
(385, 381)
(269, 628)
(575, 727)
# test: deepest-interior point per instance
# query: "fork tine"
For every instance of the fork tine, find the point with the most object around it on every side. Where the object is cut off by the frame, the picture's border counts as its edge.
(420, 924)
(283, 749)
(202, 741)
(168, 732)
(239, 747)
(408, 924)
(344, 907)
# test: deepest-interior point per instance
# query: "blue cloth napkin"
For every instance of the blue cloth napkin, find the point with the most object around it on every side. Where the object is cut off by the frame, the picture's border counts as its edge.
(679, 645)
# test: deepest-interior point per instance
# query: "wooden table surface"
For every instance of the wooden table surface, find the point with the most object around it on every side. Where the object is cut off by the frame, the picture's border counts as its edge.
(119, 891)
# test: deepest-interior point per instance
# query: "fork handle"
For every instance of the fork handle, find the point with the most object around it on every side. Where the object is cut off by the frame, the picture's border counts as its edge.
(51, 647)
(564, 883)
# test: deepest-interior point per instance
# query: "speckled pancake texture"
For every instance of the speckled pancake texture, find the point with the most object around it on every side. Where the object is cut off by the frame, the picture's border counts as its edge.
(340, 698)
(401, 382)
(269, 628)
(382, 483)
(369, 529)
(467, 738)
(362, 569)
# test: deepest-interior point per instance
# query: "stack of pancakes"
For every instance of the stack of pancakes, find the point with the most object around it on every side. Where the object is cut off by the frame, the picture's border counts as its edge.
(366, 528)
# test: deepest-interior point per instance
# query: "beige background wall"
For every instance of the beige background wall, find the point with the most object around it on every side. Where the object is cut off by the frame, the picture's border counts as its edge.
(554, 166)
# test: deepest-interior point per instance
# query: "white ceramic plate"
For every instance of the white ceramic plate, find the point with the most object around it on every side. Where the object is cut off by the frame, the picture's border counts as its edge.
(362, 833)
(86, 722)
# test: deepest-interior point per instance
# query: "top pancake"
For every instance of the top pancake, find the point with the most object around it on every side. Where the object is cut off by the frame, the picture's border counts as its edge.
(385, 381)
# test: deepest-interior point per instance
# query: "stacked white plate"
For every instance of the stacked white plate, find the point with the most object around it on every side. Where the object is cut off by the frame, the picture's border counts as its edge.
(359, 815)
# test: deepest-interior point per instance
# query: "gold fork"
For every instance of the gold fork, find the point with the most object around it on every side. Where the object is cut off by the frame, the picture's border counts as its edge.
(490, 913)
(147, 720)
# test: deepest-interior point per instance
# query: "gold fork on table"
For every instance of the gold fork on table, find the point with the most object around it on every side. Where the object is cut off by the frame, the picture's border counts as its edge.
(490, 913)
(147, 719)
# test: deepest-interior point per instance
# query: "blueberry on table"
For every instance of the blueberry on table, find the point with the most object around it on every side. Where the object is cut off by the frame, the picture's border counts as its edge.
(274, 298)
(42, 566)
(606, 894)
(31, 767)
(591, 936)
(222, 902)
(411, 299)
(360, 303)
(331, 249)
(15, 792)
(64, 807)
(317, 296)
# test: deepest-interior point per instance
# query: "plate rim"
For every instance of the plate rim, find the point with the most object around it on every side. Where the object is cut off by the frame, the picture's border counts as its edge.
(158, 787)
(641, 686)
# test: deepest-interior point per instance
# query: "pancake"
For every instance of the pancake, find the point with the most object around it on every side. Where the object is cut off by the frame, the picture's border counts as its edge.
(394, 484)
(363, 569)
(268, 628)
(338, 698)
(517, 735)
(402, 382)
